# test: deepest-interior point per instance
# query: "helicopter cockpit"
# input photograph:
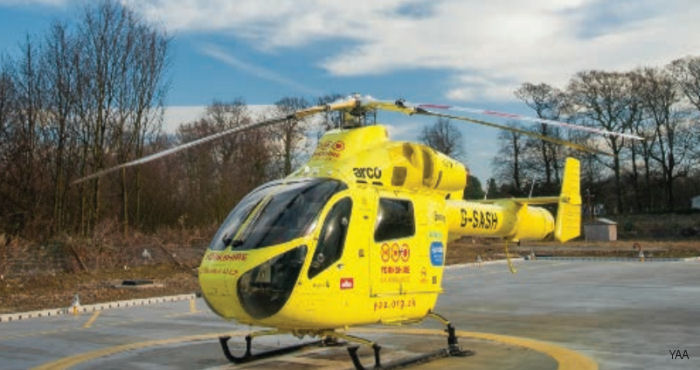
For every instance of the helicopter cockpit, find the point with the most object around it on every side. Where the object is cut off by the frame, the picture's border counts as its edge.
(275, 213)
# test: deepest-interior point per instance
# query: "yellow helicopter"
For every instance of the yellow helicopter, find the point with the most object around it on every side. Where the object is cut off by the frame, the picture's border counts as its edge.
(358, 235)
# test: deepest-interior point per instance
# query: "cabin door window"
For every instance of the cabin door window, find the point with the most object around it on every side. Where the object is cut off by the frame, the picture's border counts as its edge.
(394, 241)
(330, 244)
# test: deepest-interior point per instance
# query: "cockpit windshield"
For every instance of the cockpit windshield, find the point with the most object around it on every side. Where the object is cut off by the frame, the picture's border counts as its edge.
(275, 213)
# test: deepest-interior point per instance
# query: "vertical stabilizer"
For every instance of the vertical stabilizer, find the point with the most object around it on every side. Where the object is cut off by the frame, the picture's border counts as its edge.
(568, 223)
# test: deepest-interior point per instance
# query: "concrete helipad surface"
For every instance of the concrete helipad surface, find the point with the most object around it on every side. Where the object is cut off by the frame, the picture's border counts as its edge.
(615, 315)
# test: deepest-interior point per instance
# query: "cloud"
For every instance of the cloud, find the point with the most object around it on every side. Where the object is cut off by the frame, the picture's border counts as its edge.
(221, 55)
(486, 48)
(272, 23)
(176, 115)
(32, 2)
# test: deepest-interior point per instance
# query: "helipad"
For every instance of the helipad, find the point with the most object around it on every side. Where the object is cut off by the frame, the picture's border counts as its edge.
(551, 314)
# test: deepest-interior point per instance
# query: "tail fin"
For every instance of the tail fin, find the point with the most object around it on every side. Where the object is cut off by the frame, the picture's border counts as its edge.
(568, 223)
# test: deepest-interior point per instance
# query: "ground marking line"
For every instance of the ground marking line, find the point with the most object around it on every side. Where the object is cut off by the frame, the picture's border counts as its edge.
(92, 319)
(70, 361)
(566, 358)
(298, 358)
(336, 364)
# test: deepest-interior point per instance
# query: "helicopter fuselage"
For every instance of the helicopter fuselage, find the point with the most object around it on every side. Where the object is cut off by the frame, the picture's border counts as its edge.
(356, 236)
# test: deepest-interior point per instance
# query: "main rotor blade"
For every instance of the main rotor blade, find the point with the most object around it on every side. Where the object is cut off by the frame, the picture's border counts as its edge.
(180, 148)
(337, 105)
(403, 107)
(530, 119)
(551, 139)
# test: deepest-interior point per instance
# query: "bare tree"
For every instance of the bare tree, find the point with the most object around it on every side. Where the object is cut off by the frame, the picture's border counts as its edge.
(331, 119)
(8, 100)
(444, 137)
(642, 127)
(246, 152)
(77, 100)
(686, 72)
(508, 162)
(218, 175)
(27, 130)
(201, 171)
(291, 131)
(140, 100)
(548, 102)
(7, 93)
(122, 61)
(674, 135)
(605, 100)
(59, 62)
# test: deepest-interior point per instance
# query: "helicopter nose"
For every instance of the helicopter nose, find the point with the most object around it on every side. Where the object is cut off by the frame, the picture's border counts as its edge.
(232, 289)
(218, 274)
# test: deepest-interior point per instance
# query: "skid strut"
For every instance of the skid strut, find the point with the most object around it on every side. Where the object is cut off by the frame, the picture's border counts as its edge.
(452, 344)
(249, 356)
(453, 349)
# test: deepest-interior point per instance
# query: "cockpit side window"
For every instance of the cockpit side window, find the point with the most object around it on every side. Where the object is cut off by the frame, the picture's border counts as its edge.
(234, 220)
(395, 220)
(332, 239)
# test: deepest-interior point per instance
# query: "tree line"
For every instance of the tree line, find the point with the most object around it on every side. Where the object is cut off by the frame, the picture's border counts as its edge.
(71, 103)
(659, 104)
(205, 182)
(88, 95)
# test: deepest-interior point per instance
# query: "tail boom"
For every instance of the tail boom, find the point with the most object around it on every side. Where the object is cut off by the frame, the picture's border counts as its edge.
(504, 218)
(516, 218)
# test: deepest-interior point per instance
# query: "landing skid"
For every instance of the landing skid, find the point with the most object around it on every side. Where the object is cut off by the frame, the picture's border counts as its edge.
(331, 339)
(427, 357)
(248, 356)
(453, 350)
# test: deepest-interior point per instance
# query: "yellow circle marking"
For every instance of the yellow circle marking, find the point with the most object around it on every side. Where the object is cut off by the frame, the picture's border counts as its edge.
(70, 361)
(566, 358)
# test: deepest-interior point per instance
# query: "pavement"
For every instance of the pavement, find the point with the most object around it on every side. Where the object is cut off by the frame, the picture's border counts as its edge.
(551, 314)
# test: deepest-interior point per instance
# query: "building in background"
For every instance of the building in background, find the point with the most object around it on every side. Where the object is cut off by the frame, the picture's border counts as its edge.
(600, 229)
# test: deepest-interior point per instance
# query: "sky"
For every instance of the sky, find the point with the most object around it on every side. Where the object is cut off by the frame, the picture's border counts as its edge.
(470, 53)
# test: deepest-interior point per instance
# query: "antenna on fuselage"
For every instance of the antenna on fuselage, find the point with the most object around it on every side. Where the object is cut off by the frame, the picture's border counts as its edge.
(532, 186)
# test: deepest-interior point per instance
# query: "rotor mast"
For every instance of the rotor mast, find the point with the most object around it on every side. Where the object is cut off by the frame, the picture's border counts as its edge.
(359, 115)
